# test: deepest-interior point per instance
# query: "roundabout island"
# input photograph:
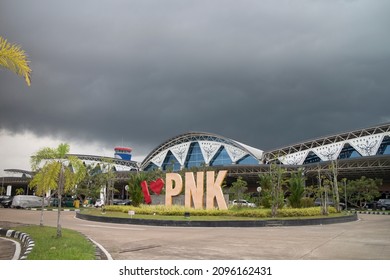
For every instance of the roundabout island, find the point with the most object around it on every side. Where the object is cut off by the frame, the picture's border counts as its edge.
(200, 221)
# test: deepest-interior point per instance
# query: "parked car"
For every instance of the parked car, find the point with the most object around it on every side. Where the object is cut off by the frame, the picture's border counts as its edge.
(370, 205)
(65, 202)
(6, 201)
(99, 203)
(243, 202)
(330, 202)
(318, 202)
(28, 201)
(383, 204)
(121, 202)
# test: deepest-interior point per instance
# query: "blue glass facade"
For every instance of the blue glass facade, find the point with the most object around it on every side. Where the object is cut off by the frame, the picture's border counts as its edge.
(311, 158)
(195, 159)
(386, 151)
(170, 162)
(248, 160)
(221, 158)
(151, 166)
(348, 152)
(384, 148)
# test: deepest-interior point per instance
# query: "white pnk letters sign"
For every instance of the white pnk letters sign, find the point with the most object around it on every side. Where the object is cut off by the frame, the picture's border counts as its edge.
(194, 189)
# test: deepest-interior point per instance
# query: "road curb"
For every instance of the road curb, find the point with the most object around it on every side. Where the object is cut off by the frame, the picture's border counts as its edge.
(190, 223)
(54, 210)
(370, 212)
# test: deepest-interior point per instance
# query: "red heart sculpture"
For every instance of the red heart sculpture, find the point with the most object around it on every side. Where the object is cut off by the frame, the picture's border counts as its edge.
(145, 190)
(157, 186)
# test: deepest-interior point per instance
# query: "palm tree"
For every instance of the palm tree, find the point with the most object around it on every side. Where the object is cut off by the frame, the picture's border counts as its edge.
(60, 171)
(135, 190)
(14, 58)
(296, 188)
(19, 191)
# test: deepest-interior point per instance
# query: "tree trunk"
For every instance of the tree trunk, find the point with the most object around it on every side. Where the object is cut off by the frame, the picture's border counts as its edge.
(323, 200)
(326, 212)
(273, 195)
(60, 188)
(336, 186)
(42, 206)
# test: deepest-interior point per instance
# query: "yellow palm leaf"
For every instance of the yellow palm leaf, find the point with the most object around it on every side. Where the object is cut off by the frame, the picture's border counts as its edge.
(14, 58)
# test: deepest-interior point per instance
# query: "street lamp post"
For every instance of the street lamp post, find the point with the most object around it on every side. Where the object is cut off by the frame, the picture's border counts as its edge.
(259, 191)
(127, 191)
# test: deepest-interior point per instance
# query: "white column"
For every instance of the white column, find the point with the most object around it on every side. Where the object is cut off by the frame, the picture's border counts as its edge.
(9, 190)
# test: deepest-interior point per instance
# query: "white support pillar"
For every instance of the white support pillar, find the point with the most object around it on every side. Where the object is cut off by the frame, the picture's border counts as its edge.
(9, 190)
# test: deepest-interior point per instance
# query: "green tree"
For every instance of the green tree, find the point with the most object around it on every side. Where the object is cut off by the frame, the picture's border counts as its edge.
(265, 182)
(43, 182)
(361, 190)
(296, 188)
(90, 186)
(19, 191)
(272, 187)
(278, 179)
(60, 172)
(238, 188)
(108, 178)
(135, 189)
(332, 182)
(325, 188)
(12, 57)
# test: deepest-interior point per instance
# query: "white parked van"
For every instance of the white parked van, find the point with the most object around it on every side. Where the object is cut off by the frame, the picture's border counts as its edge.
(27, 201)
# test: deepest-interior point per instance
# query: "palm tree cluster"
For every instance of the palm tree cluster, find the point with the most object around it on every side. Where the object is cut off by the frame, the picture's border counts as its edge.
(59, 172)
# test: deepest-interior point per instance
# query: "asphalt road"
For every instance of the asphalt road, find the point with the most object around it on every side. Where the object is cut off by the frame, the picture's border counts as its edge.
(366, 239)
(7, 249)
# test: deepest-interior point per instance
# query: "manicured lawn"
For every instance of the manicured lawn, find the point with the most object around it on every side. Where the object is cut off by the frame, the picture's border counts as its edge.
(71, 246)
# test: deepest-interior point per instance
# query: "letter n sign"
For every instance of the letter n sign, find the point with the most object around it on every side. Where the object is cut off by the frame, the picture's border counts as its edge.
(194, 189)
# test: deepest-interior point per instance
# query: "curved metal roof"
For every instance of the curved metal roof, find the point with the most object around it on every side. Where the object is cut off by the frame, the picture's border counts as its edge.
(366, 141)
(203, 138)
(20, 171)
(120, 162)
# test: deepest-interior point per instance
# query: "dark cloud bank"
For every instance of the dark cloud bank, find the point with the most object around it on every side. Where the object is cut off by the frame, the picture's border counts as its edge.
(265, 73)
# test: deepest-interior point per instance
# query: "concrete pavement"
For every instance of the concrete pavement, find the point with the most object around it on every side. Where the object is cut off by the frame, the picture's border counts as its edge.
(366, 239)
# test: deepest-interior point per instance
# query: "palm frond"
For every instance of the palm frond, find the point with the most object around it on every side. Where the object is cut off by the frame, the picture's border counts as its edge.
(41, 155)
(62, 150)
(46, 178)
(15, 59)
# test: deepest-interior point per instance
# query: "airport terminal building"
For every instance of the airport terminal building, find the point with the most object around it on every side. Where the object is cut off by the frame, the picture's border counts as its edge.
(362, 152)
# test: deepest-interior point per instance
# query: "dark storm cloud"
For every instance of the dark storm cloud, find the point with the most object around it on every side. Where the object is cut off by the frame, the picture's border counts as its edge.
(265, 73)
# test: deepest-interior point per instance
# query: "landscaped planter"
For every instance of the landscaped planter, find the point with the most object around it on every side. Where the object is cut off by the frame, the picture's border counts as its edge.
(238, 223)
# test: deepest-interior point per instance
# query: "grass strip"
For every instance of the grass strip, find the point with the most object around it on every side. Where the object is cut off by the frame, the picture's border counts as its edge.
(71, 246)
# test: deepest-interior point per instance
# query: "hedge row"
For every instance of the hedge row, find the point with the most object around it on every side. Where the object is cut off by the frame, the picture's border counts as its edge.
(236, 212)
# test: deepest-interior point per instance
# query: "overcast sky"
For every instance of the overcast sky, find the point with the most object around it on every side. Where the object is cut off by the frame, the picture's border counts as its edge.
(135, 73)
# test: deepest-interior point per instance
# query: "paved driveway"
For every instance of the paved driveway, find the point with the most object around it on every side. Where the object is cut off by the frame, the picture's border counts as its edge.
(366, 239)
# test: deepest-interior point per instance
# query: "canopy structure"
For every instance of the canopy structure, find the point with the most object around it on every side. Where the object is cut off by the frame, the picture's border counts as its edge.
(367, 142)
(195, 149)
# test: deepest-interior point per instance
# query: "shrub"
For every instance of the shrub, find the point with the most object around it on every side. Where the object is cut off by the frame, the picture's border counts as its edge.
(307, 202)
(177, 210)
